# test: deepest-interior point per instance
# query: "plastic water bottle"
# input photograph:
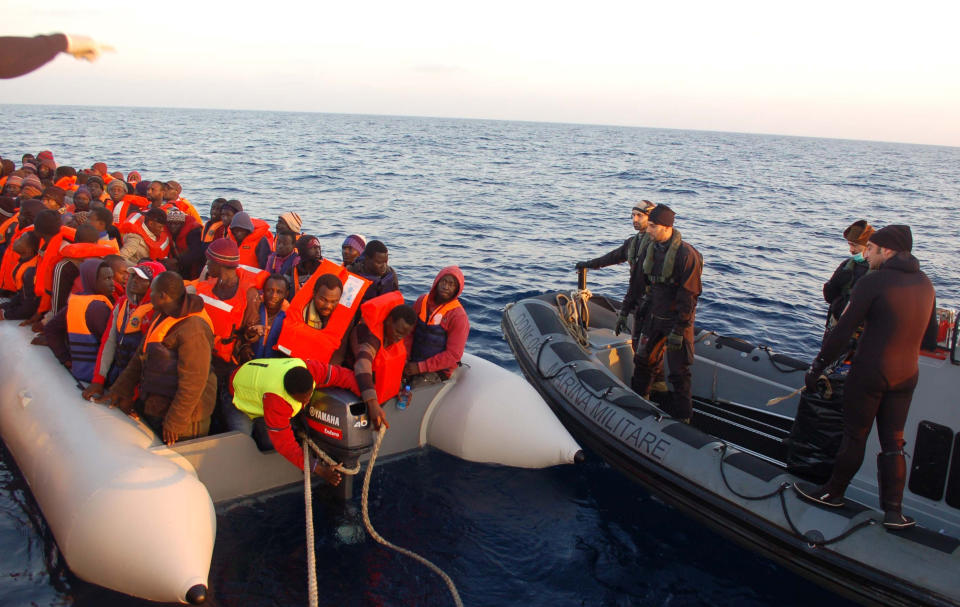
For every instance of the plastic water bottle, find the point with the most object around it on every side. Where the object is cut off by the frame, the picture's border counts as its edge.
(403, 399)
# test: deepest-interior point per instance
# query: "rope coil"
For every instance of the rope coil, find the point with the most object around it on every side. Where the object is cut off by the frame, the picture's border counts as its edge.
(575, 314)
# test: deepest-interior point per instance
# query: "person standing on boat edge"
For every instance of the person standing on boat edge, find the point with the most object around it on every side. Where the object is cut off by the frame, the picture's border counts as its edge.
(628, 251)
(836, 291)
(894, 302)
(667, 275)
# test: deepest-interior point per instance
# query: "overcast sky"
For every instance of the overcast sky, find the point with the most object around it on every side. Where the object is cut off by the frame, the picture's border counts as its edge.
(859, 70)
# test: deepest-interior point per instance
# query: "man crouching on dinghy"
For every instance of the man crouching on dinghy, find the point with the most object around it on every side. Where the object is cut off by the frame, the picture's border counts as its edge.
(895, 303)
(172, 368)
(273, 391)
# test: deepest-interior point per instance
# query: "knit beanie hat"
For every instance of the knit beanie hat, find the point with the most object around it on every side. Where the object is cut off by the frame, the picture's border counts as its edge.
(100, 167)
(117, 183)
(896, 237)
(175, 215)
(293, 221)
(96, 178)
(55, 193)
(32, 181)
(225, 252)
(305, 242)
(15, 180)
(644, 206)
(45, 155)
(134, 177)
(858, 232)
(662, 215)
(356, 242)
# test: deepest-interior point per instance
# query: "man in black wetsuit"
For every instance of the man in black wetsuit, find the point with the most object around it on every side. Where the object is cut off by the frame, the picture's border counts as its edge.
(628, 252)
(667, 276)
(836, 291)
(895, 303)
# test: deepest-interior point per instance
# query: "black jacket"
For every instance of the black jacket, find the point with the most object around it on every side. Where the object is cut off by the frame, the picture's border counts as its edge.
(673, 302)
(895, 304)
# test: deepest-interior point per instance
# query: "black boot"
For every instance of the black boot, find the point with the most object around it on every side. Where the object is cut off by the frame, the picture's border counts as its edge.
(891, 477)
(819, 494)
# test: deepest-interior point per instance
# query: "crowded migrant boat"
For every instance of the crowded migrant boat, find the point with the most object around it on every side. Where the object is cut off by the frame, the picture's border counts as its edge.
(198, 327)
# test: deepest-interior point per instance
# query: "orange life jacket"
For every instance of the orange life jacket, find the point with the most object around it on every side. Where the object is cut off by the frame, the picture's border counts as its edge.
(84, 345)
(10, 261)
(84, 250)
(110, 242)
(6, 225)
(158, 246)
(209, 233)
(67, 182)
(248, 248)
(300, 340)
(226, 316)
(50, 257)
(389, 361)
(159, 374)
(122, 209)
(21, 269)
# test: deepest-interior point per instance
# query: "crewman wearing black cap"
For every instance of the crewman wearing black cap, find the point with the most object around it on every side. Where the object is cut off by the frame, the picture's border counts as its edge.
(628, 252)
(895, 303)
(666, 276)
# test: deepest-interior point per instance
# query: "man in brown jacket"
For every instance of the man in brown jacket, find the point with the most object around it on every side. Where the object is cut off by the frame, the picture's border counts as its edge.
(177, 386)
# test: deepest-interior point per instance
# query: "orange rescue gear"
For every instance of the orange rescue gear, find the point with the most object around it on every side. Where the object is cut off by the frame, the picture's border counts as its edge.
(21, 269)
(67, 182)
(248, 248)
(123, 209)
(227, 315)
(83, 250)
(300, 340)
(159, 246)
(389, 361)
(84, 345)
(50, 257)
(10, 260)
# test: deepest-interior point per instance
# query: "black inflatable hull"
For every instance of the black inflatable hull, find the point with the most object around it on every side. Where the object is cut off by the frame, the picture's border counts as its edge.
(601, 430)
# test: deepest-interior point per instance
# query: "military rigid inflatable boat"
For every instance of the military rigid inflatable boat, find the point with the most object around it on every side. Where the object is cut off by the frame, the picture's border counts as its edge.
(136, 516)
(728, 468)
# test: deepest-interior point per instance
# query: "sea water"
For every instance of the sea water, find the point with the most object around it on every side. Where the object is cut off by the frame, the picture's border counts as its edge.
(515, 205)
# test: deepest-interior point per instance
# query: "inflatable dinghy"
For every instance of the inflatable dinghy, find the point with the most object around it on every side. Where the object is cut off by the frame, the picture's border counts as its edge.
(729, 469)
(136, 516)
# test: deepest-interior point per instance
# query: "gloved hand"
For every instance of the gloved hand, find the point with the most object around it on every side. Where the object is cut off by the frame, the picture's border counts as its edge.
(674, 341)
(581, 265)
(811, 377)
(621, 324)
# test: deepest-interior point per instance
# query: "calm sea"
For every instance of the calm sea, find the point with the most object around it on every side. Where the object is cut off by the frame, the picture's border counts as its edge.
(514, 205)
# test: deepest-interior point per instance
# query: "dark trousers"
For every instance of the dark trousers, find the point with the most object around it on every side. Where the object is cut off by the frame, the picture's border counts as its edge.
(648, 365)
(867, 397)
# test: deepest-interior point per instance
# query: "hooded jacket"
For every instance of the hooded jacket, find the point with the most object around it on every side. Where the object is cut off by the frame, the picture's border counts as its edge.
(454, 322)
(96, 316)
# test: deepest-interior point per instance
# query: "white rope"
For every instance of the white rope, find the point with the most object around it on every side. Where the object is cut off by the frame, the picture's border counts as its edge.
(572, 308)
(308, 504)
(373, 532)
(827, 392)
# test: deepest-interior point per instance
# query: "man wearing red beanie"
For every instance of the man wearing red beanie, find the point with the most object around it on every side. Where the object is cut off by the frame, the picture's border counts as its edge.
(898, 299)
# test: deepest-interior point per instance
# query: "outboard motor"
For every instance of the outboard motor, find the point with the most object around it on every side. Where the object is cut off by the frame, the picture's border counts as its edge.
(338, 423)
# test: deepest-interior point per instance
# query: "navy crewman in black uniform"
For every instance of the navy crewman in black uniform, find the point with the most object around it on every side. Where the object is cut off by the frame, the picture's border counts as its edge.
(895, 303)
(666, 276)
